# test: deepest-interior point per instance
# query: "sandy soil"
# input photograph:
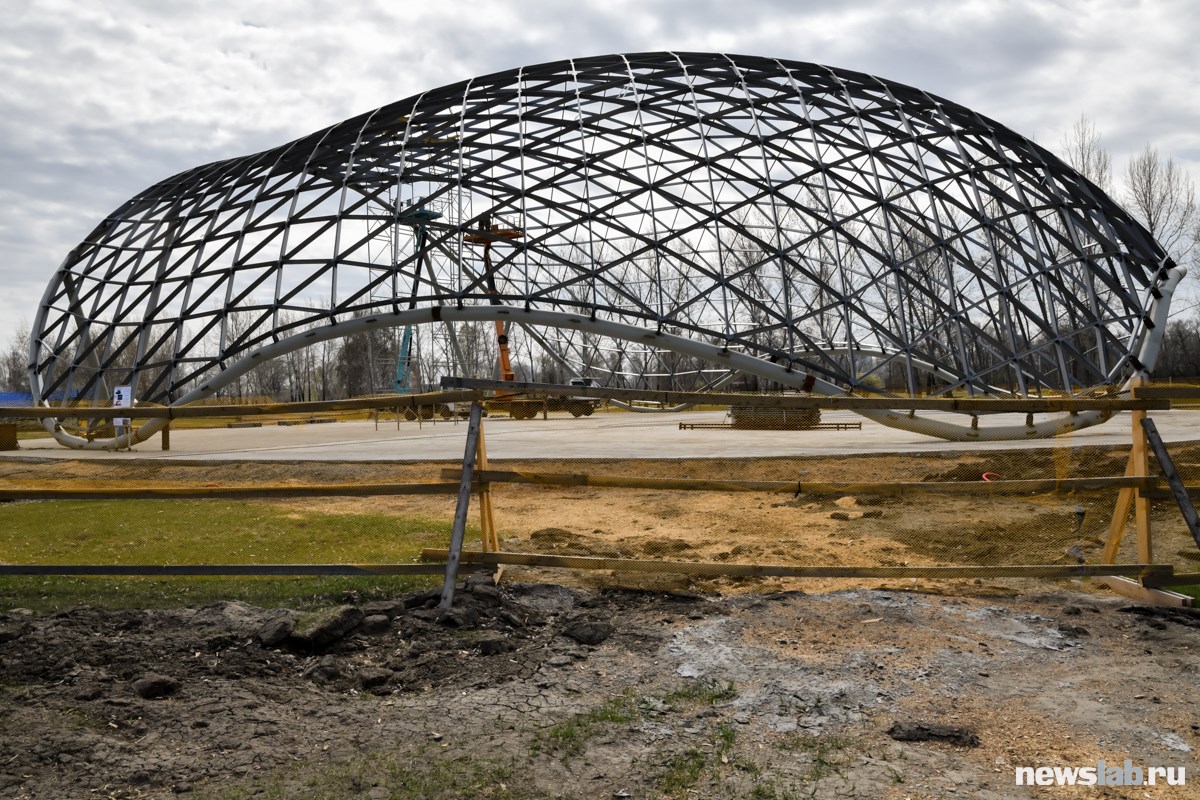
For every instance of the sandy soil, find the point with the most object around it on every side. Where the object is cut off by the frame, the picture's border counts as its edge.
(861, 529)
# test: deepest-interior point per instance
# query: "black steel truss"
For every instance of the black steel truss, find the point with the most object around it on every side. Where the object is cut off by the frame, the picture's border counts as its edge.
(862, 232)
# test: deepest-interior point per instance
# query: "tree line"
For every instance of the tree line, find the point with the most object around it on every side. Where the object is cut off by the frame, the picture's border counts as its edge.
(1162, 196)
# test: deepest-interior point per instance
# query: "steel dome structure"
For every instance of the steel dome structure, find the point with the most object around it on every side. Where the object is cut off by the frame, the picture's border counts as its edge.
(635, 217)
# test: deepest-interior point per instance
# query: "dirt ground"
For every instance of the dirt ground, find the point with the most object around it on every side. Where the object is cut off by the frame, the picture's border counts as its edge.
(594, 685)
(540, 691)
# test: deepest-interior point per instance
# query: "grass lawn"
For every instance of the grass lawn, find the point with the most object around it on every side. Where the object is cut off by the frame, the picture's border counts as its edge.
(202, 532)
(1192, 590)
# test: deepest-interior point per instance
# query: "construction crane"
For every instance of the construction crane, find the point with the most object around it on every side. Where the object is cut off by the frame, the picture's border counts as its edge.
(487, 235)
(402, 383)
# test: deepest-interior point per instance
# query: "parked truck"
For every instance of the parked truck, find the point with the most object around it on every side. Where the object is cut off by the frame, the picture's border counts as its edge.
(525, 407)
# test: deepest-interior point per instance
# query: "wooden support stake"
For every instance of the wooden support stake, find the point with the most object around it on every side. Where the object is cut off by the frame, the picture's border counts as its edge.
(1141, 503)
(487, 517)
(1116, 528)
(1137, 466)
(1061, 455)
(464, 501)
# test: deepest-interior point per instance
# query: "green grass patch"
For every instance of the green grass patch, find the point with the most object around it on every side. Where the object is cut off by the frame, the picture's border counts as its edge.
(400, 778)
(1190, 591)
(770, 791)
(682, 772)
(827, 755)
(206, 531)
(202, 532)
(709, 692)
(723, 742)
(570, 737)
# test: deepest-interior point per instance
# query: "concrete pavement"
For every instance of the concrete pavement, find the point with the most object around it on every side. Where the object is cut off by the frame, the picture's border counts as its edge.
(603, 435)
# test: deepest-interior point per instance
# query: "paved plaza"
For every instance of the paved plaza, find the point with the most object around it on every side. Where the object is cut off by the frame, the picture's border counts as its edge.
(604, 435)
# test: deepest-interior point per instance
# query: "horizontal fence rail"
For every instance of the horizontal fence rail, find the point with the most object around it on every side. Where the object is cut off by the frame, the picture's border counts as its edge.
(1026, 405)
(389, 403)
(1152, 572)
(235, 570)
(9, 493)
(798, 488)
(1040, 510)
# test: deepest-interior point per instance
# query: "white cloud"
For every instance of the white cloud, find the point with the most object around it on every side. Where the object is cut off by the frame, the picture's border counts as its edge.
(103, 99)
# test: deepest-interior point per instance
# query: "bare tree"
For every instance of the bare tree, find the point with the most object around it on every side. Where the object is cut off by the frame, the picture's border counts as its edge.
(1180, 356)
(365, 362)
(1086, 154)
(14, 369)
(1161, 194)
(269, 379)
(234, 327)
(297, 363)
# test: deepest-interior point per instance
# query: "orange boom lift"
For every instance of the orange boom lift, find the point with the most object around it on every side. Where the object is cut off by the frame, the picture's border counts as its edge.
(487, 235)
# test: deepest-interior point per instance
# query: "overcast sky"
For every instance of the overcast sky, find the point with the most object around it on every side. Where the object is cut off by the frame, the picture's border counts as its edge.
(100, 99)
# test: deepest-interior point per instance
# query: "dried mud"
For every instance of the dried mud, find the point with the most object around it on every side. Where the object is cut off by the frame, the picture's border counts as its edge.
(778, 695)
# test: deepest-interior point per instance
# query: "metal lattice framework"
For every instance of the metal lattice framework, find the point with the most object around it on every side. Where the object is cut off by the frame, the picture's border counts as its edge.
(642, 218)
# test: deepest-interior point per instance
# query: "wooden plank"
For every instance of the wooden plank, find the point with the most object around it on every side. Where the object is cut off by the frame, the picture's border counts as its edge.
(161, 570)
(9, 493)
(1165, 493)
(1159, 572)
(1161, 392)
(1145, 594)
(798, 488)
(1185, 579)
(1033, 405)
